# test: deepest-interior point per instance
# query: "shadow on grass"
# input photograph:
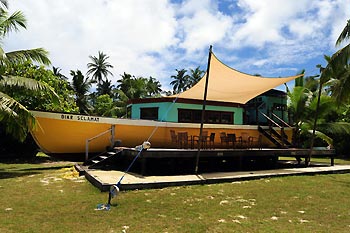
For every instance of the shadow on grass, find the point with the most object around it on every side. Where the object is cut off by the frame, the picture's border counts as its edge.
(24, 167)
(8, 175)
(34, 160)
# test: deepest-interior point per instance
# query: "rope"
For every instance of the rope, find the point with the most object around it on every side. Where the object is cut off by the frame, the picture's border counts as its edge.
(149, 138)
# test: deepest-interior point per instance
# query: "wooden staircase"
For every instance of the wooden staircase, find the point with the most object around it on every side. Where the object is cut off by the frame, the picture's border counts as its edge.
(279, 139)
(102, 159)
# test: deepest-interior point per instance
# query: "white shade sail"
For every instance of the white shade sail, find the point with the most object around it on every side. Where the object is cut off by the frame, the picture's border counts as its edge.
(229, 85)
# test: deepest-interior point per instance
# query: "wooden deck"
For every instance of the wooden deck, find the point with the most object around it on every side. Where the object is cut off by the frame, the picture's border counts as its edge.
(182, 161)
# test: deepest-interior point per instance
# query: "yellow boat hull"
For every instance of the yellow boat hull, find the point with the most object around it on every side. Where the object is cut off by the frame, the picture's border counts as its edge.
(62, 133)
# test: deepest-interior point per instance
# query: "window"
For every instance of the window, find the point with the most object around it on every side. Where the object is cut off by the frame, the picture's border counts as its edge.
(149, 113)
(226, 117)
(185, 116)
(212, 117)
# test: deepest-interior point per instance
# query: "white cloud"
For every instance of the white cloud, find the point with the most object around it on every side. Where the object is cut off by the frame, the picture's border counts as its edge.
(155, 37)
(125, 30)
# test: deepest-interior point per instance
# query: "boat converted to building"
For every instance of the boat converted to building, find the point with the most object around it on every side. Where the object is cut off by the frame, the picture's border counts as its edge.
(238, 111)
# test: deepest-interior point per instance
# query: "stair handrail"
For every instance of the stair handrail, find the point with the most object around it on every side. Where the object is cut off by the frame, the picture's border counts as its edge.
(281, 120)
(272, 121)
(88, 140)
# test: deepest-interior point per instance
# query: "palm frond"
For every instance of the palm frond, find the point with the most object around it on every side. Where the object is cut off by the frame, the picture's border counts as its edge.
(340, 86)
(327, 105)
(18, 120)
(345, 34)
(30, 84)
(4, 4)
(323, 137)
(335, 128)
(337, 62)
(39, 55)
(12, 22)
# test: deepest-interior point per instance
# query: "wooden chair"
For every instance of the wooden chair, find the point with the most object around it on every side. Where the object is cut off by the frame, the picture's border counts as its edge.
(224, 139)
(232, 139)
(174, 139)
(244, 139)
(255, 142)
(183, 140)
(211, 141)
(204, 139)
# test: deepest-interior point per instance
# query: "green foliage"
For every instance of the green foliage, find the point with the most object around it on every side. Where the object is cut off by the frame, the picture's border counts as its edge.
(105, 106)
(138, 87)
(40, 100)
(181, 81)
(14, 116)
(338, 69)
(303, 107)
(81, 87)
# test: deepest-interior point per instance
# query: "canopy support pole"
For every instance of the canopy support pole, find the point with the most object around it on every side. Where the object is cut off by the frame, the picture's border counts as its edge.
(203, 110)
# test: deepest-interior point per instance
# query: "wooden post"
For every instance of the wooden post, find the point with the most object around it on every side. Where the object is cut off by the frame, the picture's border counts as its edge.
(203, 111)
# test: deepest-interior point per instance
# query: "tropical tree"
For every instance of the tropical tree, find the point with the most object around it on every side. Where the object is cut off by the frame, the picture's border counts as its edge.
(337, 70)
(303, 106)
(181, 81)
(337, 73)
(40, 101)
(57, 72)
(195, 76)
(16, 119)
(133, 87)
(81, 86)
(105, 87)
(99, 67)
(153, 87)
(105, 106)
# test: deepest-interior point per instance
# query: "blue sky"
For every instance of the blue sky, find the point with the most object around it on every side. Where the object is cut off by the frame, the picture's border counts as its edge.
(272, 38)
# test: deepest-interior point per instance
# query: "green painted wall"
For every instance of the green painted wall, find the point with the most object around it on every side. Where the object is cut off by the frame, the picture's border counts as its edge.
(172, 115)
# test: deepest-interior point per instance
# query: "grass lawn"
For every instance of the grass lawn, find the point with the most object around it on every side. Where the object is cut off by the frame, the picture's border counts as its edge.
(49, 197)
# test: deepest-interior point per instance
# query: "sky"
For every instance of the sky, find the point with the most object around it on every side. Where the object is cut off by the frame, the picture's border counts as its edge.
(272, 38)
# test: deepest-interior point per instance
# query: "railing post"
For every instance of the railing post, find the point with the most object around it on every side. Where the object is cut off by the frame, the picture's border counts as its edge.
(111, 130)
(112, 135)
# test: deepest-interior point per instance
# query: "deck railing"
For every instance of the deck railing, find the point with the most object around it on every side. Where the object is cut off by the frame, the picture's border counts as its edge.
(111, 130)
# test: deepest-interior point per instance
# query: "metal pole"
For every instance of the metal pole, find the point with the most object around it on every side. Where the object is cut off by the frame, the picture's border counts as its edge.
(203, 110)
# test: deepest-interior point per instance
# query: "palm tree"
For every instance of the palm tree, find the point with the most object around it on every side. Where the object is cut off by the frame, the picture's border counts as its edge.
(16, 119)
(81, 87)
(304, 104)
(57, 72)
(338, 69)
(105, 87)
(195, 76)
(153, 87)
(125, 85)
(99, 67)
(181, 81)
